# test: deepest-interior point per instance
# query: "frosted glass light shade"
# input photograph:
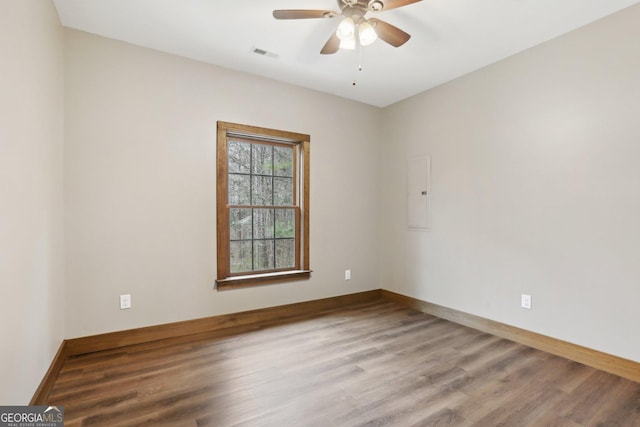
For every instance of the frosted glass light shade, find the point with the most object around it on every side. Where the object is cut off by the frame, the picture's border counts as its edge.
(366, 33)
(346, 29)
(349, 44)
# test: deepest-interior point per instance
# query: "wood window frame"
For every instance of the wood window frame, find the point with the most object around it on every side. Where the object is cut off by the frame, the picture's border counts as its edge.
(301, 143)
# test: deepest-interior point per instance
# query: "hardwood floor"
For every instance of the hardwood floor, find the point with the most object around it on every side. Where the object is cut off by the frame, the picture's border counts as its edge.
(369, 364)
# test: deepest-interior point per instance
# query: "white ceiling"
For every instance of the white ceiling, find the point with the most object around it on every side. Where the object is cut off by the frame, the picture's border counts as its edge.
(450, 38)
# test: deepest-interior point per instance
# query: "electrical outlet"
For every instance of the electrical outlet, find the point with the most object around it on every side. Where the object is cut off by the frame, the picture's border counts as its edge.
(125, 301)
(347, 275)
(525, 301)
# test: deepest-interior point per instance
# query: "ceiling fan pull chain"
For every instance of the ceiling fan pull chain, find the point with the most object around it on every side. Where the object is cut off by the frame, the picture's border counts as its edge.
(358, 58)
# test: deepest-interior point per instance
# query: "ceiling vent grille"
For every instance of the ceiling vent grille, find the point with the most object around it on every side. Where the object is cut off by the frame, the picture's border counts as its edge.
(263, 52)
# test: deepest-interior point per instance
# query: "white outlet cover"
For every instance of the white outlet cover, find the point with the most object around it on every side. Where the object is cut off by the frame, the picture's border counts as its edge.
(125, 301)
(525, 301)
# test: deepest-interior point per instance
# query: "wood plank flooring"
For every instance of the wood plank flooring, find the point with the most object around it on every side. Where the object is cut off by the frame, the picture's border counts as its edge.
(369, 364)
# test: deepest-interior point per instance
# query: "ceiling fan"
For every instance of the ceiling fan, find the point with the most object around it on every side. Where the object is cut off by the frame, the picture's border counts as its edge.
(355, 29)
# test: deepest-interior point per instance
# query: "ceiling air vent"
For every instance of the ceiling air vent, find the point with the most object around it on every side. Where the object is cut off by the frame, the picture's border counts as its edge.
(263, 52)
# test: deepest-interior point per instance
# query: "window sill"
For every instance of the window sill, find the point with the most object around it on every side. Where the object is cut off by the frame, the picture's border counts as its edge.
(236, 282)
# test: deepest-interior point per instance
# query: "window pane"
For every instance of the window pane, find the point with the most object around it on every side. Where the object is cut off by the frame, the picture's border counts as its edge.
(262, 191)
(283, 161)
(240, 256)
(239, 189)
(263, 223)
(239, 155)
(262, 159)
(285, 223)
(283, 191)
(240, 224)
(285, 253)
(263, 255)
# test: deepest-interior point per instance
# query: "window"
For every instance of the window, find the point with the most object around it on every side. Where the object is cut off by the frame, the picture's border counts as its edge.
(263, 206)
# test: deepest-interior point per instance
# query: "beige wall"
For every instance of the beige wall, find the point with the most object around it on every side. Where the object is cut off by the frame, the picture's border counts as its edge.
(31, 197)
(140, 185)
(535, 189)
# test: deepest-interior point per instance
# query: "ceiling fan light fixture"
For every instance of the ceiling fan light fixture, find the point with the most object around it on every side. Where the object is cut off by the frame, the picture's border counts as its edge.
(366, 33)
(346, 29)
(348, 44)
(354, 29)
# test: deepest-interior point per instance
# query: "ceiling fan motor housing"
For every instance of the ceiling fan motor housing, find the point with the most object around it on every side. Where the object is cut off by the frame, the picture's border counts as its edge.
(370, 6)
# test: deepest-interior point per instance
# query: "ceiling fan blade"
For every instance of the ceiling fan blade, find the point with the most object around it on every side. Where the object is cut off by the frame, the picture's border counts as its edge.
(389, 33)
(332, 45)
(393, 4)
(303, 14)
